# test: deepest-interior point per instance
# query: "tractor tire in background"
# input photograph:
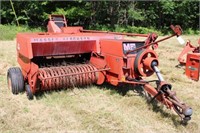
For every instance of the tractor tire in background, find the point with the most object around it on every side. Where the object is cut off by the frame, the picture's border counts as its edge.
(15, 80)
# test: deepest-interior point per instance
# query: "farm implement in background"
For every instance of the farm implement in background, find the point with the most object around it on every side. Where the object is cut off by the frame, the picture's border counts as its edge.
(67, 57)
(190, 58)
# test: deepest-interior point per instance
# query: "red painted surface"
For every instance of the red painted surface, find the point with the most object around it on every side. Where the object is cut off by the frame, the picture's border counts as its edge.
(191, 60)
(192, 68)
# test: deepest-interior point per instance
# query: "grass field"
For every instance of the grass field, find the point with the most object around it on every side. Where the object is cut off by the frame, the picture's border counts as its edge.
(99, 109)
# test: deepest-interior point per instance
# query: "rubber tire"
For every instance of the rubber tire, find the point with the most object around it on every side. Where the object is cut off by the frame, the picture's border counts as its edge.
(15, 80)
(28, 92)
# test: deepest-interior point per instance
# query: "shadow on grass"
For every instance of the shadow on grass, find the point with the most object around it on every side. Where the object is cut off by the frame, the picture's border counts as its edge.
(153, 105)
(122, 90)
(164, 114)
(42, 94)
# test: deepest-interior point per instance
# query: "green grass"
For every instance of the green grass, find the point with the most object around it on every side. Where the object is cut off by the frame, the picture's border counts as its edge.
(143, 30)
(8, 32)
(127, 29)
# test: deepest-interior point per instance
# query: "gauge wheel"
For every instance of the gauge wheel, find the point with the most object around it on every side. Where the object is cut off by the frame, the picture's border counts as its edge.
(15, 80)
(29, 92)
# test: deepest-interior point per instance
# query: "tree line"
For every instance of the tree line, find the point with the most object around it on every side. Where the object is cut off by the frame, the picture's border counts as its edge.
(151, 14)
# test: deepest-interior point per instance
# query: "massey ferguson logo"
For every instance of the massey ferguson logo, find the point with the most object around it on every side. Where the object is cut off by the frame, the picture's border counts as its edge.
(129, 46)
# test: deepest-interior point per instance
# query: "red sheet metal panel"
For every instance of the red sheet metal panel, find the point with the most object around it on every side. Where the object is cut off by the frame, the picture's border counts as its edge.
(62, 48)
(43, 44)
(112, 47)
(24, 46)
(193, 66)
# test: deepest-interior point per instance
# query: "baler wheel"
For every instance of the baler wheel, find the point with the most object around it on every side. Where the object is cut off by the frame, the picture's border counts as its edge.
(28, 92)
(15, 80)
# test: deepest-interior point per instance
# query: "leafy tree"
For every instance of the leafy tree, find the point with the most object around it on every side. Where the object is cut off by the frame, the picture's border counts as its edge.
(111, 14)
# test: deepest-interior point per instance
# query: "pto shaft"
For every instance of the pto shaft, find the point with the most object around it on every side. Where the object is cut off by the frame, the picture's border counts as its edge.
(179, 107)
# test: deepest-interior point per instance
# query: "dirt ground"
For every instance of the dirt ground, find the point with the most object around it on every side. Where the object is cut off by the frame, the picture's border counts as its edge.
(98, 109)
